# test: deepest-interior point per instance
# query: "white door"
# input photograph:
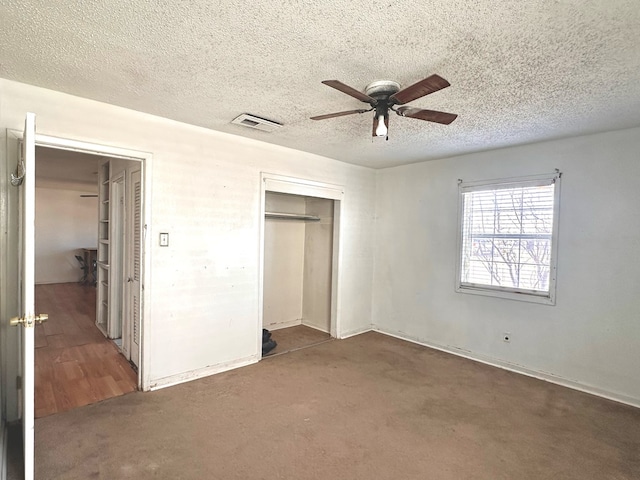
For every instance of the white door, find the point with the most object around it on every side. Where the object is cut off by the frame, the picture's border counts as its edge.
(27, 318)
(136, 250)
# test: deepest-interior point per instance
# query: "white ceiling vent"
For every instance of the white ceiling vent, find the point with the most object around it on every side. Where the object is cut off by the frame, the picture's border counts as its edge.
(258, 123)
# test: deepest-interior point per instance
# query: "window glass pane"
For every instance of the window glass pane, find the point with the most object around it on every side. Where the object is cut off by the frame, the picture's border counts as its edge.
(535, 277)
(506, 275)
(480, 272)
(535, 251)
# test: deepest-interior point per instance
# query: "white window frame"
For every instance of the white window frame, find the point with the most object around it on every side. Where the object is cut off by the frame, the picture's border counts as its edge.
(548, 298)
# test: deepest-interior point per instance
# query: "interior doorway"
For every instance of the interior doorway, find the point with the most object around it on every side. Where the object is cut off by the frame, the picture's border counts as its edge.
(300, 241)
(80, 355)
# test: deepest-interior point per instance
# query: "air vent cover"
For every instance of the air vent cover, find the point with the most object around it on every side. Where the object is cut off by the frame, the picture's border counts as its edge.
(257, 123)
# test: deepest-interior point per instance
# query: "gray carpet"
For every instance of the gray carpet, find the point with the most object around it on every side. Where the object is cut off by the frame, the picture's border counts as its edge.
(294, 338)
(369, 407)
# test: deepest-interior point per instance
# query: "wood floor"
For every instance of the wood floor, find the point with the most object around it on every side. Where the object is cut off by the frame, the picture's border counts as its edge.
(75, 364)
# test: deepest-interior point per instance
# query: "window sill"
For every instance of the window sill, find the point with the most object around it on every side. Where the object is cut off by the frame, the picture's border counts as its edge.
(518, 296)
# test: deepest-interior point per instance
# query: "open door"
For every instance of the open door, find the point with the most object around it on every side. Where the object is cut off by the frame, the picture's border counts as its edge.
(27, 317)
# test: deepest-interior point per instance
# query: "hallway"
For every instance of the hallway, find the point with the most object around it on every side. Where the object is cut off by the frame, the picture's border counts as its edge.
(75, 364)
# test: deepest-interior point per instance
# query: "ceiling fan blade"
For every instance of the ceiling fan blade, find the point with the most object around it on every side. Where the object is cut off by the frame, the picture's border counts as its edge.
(428, 115)
(338, 85)
(339, 114)
(420, 89)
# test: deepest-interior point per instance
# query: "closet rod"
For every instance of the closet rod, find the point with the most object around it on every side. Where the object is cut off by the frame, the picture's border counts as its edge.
(292, 216)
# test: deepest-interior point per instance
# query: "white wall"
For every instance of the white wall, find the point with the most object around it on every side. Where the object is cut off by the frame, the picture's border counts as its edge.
(205, 185)
(65, 223)
(591, 338)
(318, 247)
(283, 263)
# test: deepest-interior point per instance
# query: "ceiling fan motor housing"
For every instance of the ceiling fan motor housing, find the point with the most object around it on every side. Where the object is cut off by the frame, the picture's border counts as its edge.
(382, 89)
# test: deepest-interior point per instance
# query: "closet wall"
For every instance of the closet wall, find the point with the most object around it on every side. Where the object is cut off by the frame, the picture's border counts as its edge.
(297, 263)
(283, 262)
(318, 256)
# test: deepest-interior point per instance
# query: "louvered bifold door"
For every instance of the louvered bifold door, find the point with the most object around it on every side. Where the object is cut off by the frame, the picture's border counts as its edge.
(136, 183)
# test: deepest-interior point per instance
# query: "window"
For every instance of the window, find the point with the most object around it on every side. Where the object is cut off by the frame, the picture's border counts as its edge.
(508, 238)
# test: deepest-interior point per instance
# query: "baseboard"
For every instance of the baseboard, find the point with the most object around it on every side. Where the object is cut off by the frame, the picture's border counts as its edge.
(512, 367)
(281, 325)
(55, 282)
(353, 333)
(323, 330)
(177, 379)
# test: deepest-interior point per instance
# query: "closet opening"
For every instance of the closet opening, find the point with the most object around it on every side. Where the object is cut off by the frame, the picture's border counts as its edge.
(300, 240)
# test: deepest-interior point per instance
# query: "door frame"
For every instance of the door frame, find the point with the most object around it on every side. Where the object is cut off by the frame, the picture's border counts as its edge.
(270, 182)
(145, 159)
(9, 289)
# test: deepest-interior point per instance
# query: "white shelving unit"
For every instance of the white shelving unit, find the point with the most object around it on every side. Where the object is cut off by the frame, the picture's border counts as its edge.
(102, 305)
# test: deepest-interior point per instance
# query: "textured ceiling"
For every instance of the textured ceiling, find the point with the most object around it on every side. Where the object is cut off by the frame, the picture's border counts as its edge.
(520, 71)
(77, 171)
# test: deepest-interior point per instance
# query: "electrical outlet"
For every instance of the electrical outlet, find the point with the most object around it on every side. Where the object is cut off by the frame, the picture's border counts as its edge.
(506, 337)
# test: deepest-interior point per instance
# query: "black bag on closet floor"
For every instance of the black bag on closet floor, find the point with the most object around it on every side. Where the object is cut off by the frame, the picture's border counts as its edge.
(268, 343)
(266, 335)
(267, 347)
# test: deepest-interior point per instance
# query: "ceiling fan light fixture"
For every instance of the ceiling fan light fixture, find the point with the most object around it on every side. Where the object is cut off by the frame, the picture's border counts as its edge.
(381, 128)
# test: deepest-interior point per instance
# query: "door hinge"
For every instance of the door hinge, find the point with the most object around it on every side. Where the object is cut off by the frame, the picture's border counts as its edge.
(19, 382)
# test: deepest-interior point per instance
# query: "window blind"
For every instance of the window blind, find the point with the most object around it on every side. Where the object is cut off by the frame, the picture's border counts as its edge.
(507, 234)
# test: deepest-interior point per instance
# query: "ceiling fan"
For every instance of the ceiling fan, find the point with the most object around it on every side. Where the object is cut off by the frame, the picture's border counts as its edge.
(384, 95)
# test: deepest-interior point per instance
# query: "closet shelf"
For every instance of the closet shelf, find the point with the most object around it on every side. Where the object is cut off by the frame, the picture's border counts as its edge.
(292, 216)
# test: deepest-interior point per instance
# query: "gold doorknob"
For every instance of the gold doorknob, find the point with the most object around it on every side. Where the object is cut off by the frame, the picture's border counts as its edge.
(29, 321)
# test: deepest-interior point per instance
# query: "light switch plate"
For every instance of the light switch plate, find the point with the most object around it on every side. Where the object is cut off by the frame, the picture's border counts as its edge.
(164, 239)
